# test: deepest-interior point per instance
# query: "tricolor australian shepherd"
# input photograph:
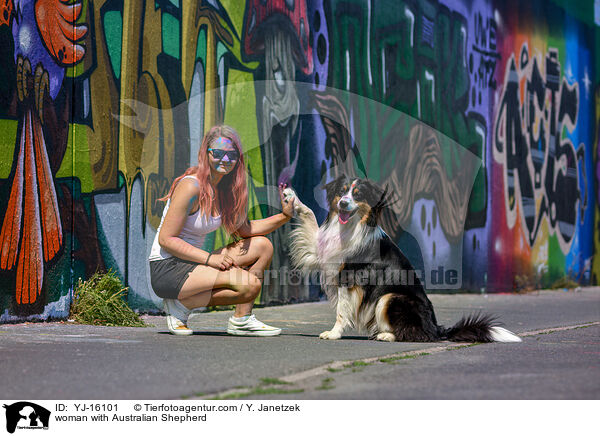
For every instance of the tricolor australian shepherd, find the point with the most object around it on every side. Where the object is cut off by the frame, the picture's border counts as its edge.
(372, 284)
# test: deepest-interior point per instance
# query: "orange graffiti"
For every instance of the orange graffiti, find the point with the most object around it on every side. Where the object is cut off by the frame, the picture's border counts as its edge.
(56, 23)
(6, 10)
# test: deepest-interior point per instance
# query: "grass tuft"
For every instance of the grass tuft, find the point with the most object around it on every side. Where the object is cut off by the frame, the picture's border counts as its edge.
(273, 381)
(100, 301)
(396, 358)
(458, 347)
(326, 384)
(357, 364)
(564, 282)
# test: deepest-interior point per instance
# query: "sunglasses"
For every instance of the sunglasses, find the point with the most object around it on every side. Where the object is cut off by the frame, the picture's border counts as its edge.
(220, 154)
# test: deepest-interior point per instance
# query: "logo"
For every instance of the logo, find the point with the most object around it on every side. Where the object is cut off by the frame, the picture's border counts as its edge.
(25, 415)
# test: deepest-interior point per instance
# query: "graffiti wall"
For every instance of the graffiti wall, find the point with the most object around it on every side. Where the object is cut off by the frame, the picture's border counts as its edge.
(543, 131)
(480, 115)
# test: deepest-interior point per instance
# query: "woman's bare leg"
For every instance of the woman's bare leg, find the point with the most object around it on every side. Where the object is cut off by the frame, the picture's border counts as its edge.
(256, 254)
(207, 286)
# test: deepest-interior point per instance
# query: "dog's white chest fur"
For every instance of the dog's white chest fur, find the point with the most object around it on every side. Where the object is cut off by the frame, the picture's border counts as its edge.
(336, 242)
(329, 244)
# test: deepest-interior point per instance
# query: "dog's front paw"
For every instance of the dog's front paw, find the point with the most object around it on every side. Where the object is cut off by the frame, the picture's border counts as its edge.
(290, 195)
(330, 334)
(386, 337)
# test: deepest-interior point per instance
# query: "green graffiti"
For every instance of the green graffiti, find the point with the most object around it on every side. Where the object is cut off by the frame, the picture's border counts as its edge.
(113, 31)
(79, 165)
(170, 35)
(8, 136)
(421, 70)
(201, 45)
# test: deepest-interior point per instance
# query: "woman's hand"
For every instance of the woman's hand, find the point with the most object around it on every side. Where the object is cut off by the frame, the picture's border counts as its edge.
(267, 225)
(287, 206)
(221, 261)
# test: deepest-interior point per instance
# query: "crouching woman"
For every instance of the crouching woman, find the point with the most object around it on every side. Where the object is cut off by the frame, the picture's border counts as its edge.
(206, 197)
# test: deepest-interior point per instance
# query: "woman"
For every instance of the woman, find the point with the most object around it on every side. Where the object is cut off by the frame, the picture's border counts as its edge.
(206, 196)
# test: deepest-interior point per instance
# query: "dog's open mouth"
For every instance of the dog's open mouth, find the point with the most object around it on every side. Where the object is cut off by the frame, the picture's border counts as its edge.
(344, 215)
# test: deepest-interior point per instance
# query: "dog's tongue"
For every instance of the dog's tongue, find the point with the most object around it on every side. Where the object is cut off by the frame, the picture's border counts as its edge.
(343, 217)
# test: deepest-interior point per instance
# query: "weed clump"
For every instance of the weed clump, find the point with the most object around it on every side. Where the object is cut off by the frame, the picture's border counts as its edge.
(564, 282)
(100, 301)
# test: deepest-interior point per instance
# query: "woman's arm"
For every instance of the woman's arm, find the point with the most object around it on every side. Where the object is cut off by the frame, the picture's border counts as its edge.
(267, 225)
(181, 203)
(263, 226)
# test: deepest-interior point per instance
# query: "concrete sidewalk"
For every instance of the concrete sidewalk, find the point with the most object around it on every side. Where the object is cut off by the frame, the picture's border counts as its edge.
(62, 360)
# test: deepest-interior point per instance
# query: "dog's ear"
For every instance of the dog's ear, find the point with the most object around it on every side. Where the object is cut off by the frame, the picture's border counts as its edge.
(333, 188)
(386, 198)
(378, 199)
(374, 194)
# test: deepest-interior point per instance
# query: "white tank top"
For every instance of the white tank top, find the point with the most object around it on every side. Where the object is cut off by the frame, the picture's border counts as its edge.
(194, 231)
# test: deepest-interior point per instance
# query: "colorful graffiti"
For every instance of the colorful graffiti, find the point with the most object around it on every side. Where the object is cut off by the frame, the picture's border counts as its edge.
(543, 138)
(103, 103)
(32, 233)
(533, 150)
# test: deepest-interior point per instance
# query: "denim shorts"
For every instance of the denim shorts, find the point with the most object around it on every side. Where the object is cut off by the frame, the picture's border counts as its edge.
(167, 276)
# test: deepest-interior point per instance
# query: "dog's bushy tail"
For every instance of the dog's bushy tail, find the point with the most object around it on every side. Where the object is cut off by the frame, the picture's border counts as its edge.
(478, 328)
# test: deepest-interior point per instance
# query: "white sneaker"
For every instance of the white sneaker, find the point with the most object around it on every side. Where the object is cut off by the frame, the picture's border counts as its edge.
(177, 315)
(251, 327)
(177, 327)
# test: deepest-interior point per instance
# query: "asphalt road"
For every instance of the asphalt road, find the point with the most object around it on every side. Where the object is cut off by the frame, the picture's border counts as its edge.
(559, 357)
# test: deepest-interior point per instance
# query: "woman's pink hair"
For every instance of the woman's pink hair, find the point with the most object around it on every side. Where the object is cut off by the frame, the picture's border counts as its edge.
(233, 192)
